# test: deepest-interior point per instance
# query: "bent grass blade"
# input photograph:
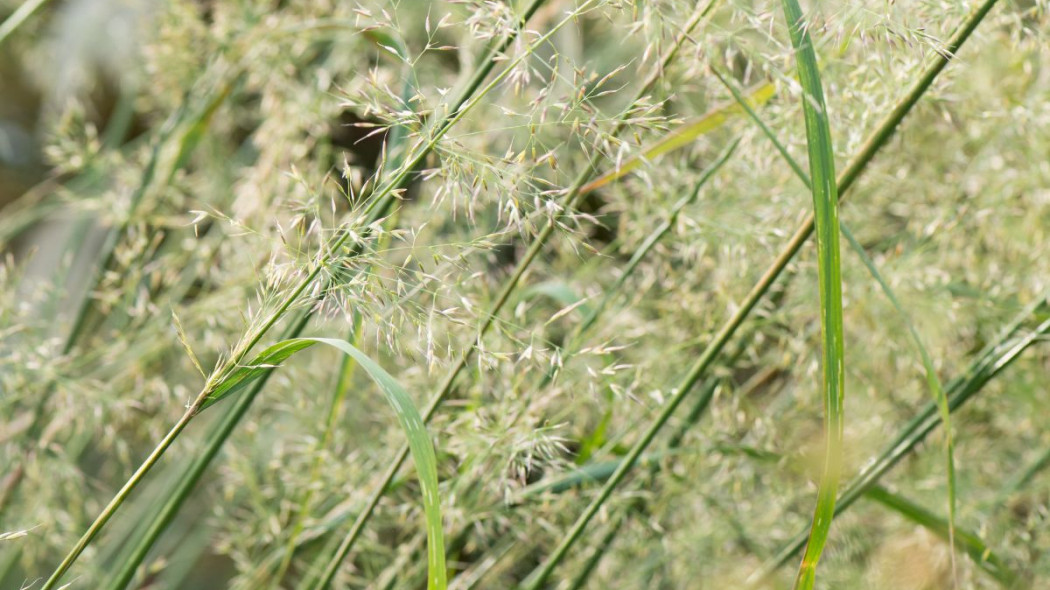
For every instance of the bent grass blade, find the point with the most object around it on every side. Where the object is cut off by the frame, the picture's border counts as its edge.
(407, 415)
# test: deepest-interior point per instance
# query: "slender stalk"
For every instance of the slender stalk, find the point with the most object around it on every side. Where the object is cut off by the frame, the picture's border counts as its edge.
(118, 499)
(600, 549)
(187, 482)
(18, 17)
(845, 181)
(570, 199)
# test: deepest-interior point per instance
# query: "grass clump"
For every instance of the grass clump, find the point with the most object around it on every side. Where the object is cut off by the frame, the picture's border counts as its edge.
(567, 241)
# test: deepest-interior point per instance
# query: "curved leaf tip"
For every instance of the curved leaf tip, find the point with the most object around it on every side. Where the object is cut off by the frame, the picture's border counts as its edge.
(408, 416)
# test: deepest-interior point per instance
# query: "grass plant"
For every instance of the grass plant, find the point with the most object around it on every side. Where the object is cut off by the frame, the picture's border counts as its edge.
(533, 230)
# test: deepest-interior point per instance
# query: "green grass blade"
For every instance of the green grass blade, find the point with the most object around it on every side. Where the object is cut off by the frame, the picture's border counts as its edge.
(254, 369)
(411, 422)
(933, 383)
(825, 206)
(978, 551)
(422, 454)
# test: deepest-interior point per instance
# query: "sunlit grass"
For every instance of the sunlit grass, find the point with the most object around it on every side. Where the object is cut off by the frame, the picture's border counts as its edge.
(568, 243)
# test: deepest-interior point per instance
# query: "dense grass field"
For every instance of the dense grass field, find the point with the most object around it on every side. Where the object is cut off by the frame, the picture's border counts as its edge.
(524, 294)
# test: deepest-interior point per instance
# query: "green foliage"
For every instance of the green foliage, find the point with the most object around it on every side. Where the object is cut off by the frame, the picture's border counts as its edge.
(577, 232)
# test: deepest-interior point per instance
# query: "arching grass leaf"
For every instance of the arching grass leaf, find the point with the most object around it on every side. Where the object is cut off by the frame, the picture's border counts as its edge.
(407, 415)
